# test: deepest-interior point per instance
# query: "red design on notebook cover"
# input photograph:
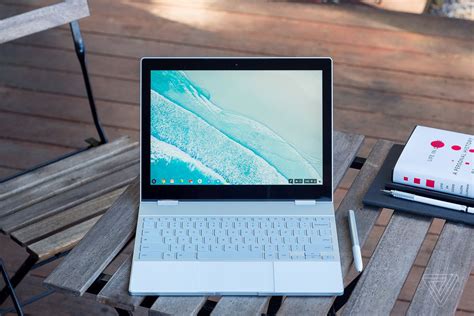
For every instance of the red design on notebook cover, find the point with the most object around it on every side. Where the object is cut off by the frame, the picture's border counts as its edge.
(437, 144)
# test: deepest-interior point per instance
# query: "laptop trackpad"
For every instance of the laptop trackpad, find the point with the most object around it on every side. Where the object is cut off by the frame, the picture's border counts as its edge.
(228, 277)
(308, 277)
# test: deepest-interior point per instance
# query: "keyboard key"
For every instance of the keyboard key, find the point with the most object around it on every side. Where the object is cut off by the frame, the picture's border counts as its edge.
(170, 240)
(169, 256)
(150, 247)
(203, 248)
(318, 247)
(230, 248)
(190, 248)
(243, 248)
(256, 248)
(211, 255)
(176, 248)
(186, 256)
(270, 256)
(151, 256)
(217, 248)
(283, 256)
(223, 240)
(183, 239)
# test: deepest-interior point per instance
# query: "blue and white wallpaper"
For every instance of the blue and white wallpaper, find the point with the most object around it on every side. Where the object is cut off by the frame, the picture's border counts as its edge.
(236, 127)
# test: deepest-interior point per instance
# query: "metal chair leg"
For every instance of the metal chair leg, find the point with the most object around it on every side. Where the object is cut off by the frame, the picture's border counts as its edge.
(123, 312)
(10, 290)
(341, 300)
(81, 55)
(18, 276)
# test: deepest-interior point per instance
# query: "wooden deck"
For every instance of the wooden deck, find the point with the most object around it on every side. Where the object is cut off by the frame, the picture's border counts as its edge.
(392, 71)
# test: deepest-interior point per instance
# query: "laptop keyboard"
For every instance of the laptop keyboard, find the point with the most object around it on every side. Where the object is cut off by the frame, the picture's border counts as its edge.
(227, 238)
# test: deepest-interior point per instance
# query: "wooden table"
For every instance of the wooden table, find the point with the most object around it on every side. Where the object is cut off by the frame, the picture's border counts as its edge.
(375, 292)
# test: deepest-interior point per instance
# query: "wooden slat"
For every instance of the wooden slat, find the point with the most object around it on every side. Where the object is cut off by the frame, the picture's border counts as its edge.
(67, 218)
(386, 272)
(345, 149)
(452, 257)
(366, 217)
(74, 179)
(12, 155)
(241, 305)
(68, 199)
(63, 240)
(115, 292)
(103, 242)
(42, 19)
(177, 305)
(65, 166)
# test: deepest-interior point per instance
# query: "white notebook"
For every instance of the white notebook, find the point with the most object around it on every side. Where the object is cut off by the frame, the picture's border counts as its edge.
(437, 160)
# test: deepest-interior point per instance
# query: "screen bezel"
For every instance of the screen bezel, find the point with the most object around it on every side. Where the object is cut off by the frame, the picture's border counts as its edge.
(236, 192)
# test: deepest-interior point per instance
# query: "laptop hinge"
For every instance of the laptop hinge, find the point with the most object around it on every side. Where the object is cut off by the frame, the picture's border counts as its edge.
(305, 202)
(167, 202)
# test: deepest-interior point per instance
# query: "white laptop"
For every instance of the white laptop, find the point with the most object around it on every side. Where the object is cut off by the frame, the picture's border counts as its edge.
(236, 178)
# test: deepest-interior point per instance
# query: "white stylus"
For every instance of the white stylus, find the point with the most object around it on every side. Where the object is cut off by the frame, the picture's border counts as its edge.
(425, 200)
(355, 242)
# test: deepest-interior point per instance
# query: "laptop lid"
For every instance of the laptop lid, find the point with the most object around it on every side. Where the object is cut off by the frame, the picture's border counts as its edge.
(236, 129)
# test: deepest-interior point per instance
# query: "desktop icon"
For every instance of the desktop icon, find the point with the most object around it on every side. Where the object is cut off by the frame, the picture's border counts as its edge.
(153, 181)
(163, 181)
(190, 181)
(199, 181)
(171, 181)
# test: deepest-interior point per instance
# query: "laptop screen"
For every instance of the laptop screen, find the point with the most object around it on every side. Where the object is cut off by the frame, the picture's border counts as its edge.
(247, 127)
